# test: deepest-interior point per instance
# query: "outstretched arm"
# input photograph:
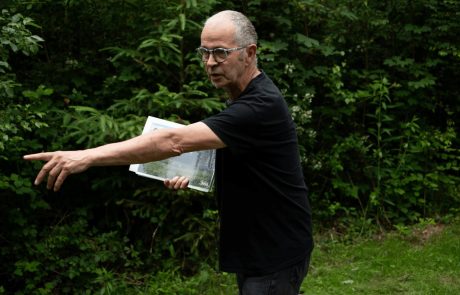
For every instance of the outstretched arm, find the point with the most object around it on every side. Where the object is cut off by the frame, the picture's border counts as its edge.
(153, 146)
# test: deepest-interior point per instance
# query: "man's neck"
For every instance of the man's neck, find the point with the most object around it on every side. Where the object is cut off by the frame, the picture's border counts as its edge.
(235, 93)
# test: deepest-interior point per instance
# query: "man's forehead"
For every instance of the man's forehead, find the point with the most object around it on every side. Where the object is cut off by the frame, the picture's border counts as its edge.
(218, 32)
(222, 23)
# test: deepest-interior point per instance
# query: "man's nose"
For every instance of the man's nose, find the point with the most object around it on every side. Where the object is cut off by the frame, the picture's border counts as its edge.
(211, 61)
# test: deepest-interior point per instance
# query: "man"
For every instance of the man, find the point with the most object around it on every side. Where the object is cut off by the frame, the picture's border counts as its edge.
(265, 230)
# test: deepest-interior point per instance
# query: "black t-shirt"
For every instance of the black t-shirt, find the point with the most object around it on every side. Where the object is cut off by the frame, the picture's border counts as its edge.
(265, 216)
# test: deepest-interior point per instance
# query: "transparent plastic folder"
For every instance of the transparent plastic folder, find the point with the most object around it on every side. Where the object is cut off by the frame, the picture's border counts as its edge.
(198, 167)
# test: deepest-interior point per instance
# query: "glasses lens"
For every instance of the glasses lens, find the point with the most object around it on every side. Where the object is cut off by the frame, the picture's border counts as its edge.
(204, 53)
(220, 54)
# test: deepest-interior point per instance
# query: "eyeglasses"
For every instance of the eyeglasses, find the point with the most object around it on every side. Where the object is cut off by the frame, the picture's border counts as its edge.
(219, 54)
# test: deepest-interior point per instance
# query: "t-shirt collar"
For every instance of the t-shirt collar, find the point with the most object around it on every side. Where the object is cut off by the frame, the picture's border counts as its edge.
(248, 88)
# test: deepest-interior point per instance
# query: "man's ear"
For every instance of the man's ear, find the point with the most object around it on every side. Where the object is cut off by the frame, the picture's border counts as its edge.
(251, 51)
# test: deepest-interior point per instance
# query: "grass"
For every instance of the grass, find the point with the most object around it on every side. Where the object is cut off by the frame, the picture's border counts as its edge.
(421, 261)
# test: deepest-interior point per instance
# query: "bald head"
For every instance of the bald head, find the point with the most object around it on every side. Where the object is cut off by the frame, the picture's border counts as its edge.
(243, 30)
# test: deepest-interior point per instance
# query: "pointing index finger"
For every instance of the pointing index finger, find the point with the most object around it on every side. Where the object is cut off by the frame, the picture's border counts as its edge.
(38, 156)
(44, 156)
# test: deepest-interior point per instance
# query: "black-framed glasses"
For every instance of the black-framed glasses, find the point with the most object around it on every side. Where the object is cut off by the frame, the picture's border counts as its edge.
(219, 54)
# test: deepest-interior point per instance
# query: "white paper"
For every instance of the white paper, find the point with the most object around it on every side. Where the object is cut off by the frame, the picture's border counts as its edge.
(198, 167)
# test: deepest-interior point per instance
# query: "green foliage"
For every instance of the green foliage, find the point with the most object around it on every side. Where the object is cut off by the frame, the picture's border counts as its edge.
(182, 226)
(70, 251)
(206, 281)
(15, 37)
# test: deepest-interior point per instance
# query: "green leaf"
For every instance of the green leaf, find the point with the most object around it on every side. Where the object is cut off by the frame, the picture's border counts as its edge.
(182, 21)
(306, 41)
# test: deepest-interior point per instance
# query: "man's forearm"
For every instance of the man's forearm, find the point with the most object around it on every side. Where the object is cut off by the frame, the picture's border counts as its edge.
(153, 146)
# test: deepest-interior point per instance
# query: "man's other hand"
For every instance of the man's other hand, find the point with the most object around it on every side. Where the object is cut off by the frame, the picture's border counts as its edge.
(178, 182)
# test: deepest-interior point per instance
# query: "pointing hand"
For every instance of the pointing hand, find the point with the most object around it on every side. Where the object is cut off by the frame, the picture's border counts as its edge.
(59, 165)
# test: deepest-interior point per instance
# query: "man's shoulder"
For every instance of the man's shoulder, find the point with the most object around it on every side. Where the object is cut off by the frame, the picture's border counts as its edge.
(262, 79)
(264, 85)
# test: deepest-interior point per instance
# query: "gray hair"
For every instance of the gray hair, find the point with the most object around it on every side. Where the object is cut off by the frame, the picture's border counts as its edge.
(245, 33)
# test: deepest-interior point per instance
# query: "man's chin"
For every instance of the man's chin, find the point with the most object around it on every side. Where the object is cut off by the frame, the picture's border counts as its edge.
(218, 84)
